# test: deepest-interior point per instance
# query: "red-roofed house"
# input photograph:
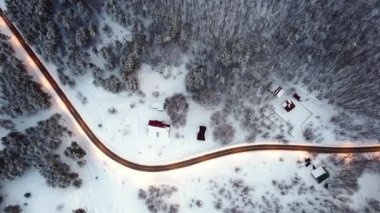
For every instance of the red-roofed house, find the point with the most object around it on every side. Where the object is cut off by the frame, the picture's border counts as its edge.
(158, 129)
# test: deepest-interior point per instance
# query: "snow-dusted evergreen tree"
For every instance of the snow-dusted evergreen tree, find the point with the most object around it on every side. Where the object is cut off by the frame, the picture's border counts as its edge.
(74, 151)
(330, 47)
(7, 124)
(223, 134)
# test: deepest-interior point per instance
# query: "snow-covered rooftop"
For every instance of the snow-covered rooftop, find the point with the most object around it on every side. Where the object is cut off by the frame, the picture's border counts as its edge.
(158, 129)
(158, 105)
(318, 172)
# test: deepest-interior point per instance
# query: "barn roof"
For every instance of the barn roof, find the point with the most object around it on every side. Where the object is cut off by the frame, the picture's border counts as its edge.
(159, 124)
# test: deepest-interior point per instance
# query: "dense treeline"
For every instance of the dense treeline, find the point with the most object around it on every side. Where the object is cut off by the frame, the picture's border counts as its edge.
(61, 31)
(316, 42)
(19, 94)
(64, 32)
(329, 46)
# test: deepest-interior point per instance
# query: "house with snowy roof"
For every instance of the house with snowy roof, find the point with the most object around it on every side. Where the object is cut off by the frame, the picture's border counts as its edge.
(158, 105)
(276, 90)
(320, 174)
(158, 129)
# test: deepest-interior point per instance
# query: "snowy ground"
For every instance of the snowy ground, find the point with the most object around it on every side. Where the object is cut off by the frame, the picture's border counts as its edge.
(296, 117)
(109, 187)
(308, 111)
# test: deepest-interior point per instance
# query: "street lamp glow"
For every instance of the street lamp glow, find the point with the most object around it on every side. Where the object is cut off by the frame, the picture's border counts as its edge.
(2, 22)
(31, 62)
(15, 41)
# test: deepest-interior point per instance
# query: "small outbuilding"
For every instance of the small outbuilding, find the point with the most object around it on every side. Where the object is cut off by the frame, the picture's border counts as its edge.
(158, 105)
(158, 129)
(297, 97)
(201, 133)
(307, 162)
(320, 174)
(289, 105)
(276, 90)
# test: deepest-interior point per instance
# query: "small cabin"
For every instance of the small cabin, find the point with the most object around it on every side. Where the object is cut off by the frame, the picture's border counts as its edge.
(307, 162)
(276, 90)
(288, 105)
(320, 174)
(158, 129)
(297, 97)
(158, 105)
(201, 133)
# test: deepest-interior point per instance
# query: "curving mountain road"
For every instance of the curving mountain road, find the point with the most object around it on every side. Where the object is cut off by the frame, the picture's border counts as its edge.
(185, 163)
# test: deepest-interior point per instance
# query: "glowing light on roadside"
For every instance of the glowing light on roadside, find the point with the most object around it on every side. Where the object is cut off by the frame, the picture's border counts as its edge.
(347, 144)
(376, 155)
(2, 23)
(61, 105)
(31, 62)
(302, 155)
(347, 158)
(117, 170)
(45, 83)
(273, 154)
(79, 129)
(15, 41)
(142, 180)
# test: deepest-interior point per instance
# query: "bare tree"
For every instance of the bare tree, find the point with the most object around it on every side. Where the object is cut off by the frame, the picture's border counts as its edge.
(224, 134)
(177, 107)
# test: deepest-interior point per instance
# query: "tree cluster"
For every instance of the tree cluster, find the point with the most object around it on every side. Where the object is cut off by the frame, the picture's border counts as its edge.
(36, 148)
(156, 198)
(374, 204)
(312, 134)
(74, 151)
(350, 127)
(19, 94)
(349, 168)
(7, 124)
(177, 107)
(233, 196)
(12, 209)
(58, 29)
(125, 57)
(223, 132)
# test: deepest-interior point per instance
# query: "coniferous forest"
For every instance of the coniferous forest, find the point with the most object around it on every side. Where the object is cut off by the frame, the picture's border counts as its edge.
(235, 48)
